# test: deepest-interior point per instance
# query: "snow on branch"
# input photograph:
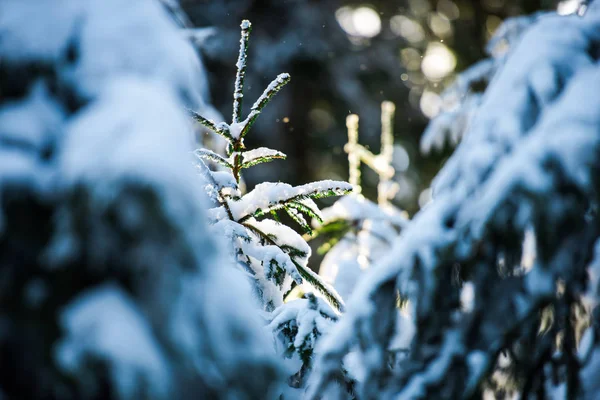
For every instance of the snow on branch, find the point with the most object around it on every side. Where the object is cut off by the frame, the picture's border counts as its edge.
(220, 129)
(212, 156)
(286, 238)
(259, 156)
(235, 132)
(274, 87)
(531, 79)
(380, 163)
(268, 196)
(241, 71)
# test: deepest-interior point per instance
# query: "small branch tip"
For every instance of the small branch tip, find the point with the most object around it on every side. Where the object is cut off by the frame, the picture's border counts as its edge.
(351, 120)
(388, 107)
(246, 25)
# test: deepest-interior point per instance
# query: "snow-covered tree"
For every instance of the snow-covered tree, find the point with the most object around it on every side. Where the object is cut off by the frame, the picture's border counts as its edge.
(111, 286)
(494, 318)
(272, 254)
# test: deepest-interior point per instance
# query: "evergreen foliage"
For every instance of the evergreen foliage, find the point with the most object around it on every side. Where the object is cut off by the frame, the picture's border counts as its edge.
(271, 253)
(111, 284)
(268, 250)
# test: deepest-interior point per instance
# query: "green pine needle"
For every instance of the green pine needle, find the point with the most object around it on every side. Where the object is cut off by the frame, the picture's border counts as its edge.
(212, 156)
(262, 160)
(220, 129)
(299, 219)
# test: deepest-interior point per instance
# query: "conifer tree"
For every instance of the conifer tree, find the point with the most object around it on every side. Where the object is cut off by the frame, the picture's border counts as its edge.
(271, 253)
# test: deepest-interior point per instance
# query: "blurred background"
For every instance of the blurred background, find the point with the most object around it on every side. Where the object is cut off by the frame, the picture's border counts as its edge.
(346, 57)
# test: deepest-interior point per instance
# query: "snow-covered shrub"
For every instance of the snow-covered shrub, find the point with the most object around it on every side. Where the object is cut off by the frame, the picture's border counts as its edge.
(273, 255)
(528, 165)
(111, 286)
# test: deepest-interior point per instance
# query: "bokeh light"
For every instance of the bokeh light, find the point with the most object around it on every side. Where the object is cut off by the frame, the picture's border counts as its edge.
(407, 28)
(419, 7)
(430, 104)
(411, 58)
(440, 25)
(438, 61)
(361, 21)
(567, 7)
(449, 9)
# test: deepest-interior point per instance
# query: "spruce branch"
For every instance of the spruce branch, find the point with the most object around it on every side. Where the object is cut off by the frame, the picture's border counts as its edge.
(333, 226)
(299, 219)
(273, 248)
(327, 291)
(237, 165)
(353, 157)
(271, 90)
(293, 251)
(335, 231)
(386, 153)
(221, 129)
(260, 155)
(304, 207)
(307, 274)
(241, 71)
(238, 129)
(255, 204)
(274, 215)
(212, 156)
(380, 163)
(207, 173)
